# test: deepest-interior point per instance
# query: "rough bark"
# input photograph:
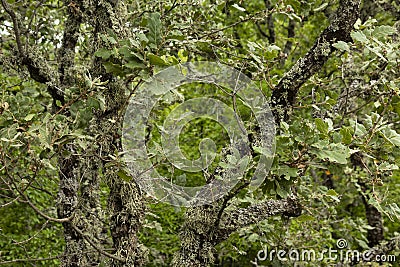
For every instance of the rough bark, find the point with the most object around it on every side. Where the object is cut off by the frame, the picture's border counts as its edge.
(125, 202)
(67, 202)
(207, 226)
(66, 54)
(78, 192)
(284, 94)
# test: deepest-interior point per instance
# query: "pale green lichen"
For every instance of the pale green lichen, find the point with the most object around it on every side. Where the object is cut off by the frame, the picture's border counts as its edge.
(44, 68)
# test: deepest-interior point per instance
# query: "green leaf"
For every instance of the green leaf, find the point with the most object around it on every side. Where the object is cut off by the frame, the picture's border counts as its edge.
(44, 153)
(176, 35)
(287, 172)
(332, 194)
(264, 151)
(295, 4)
(181, 180)
(372, 201)
(253, 237)
(360, 129)
(333, 152)
(342, 46)
(125, 52)
(142, 38)
(182, 55)
(109, 39)
(112, 36)
(156, 60)
(29, 117)
(154, 26)
(305, 218)
(385, 166)
(394, 209)
(93, 102)
(362, 243)
(102, 101)
(391, 135)
(282, 192)
(112, 40)
(322, 126)
(320, 8)
(383, 31)
(271, 48)
(134, 65)
(359, 36)
(113, 68)
(347, 135)
(376, 51)
(103, 53)
(231, 159)
(124, 176)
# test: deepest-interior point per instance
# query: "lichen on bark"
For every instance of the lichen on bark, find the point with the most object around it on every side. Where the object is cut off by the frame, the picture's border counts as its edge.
(285, 92)
(125, 203)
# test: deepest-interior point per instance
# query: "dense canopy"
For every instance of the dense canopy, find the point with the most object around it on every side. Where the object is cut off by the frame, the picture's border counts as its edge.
(72, 70)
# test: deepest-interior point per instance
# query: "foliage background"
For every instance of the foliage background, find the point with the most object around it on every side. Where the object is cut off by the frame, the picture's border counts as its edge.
(339, 151)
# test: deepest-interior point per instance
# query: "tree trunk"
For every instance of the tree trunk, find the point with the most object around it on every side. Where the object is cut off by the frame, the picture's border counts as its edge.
(125, 203)
(87, 230)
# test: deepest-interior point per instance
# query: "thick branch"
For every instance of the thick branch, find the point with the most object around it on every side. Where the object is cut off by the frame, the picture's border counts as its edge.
(204, 227)
(284, 94)
(125, 201)
(236, 219)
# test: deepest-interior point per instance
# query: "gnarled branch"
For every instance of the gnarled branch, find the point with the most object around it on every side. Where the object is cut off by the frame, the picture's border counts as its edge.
(284, 94)
(236, 219)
